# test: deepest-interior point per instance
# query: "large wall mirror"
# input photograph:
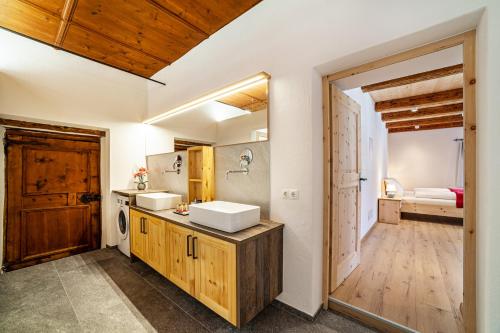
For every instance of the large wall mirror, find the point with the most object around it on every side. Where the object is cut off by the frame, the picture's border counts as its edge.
(235, 114)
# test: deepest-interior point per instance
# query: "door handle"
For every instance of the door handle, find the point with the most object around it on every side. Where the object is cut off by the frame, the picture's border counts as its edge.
(145, 231)
(141, 221)
(89, 197)
(194, 248)
(361, 179)
(187, 244)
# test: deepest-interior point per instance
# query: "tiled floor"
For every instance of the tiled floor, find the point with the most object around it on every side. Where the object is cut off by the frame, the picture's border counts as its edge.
(102, 291)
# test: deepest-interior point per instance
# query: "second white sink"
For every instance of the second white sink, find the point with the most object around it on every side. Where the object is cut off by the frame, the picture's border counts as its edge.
(158, 201)
(224, 215)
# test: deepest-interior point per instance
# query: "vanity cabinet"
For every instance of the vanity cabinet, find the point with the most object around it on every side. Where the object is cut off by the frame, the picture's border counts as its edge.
(236, 275)
(147, 240)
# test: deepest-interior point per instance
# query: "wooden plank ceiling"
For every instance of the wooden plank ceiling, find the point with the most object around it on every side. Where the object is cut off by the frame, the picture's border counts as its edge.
(251, 99)
(140, 36)
(424, 101)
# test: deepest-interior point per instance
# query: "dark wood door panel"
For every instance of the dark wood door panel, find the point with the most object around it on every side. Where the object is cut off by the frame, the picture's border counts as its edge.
(55, 171)
(47, 176)
(54, 230)
(43, 201)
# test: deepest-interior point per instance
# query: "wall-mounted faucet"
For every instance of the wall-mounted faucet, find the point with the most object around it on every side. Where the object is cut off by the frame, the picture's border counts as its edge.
(176, 166)
(246, 158)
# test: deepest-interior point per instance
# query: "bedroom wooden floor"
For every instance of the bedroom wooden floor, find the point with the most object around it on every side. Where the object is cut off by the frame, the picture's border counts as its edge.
(410, 273)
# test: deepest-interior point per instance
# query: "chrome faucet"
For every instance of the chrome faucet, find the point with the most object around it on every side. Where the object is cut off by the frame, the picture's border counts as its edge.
(246, 158)
(243, 171)
(176, 166)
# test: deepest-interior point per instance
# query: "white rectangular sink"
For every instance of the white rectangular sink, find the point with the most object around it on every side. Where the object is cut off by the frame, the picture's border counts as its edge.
(224, 215)
(158, 201)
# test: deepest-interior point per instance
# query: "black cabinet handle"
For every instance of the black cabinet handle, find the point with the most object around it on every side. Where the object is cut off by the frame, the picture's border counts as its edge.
(141, 220)
(145, 231)
(194, 248)
(187, 244)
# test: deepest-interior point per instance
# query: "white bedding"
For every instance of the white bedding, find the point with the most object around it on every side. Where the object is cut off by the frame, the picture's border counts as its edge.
(435, 193)
(429, 201)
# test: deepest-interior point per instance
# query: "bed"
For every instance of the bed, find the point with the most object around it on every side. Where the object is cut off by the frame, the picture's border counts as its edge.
(446, 202)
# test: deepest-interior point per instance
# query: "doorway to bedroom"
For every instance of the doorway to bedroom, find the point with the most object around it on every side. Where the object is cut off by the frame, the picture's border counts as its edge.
(397, 254)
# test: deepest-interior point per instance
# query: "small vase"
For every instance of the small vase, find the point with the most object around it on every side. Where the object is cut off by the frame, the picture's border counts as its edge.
(141, 186)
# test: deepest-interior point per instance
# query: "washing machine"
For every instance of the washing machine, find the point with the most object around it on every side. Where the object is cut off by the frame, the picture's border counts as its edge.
(123, 224)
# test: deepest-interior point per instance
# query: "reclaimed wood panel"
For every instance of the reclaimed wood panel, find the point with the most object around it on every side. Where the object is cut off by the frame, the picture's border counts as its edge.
(260, 274)
(46, 217)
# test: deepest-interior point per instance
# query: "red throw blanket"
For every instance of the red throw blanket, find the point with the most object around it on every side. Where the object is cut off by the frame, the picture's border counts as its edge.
(460, 196)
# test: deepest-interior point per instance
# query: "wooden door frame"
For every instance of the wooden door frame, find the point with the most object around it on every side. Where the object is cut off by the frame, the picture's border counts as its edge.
(468, 42)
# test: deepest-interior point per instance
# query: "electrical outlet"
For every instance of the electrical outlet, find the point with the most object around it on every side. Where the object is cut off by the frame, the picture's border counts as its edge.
(285, 194)
(293, 194)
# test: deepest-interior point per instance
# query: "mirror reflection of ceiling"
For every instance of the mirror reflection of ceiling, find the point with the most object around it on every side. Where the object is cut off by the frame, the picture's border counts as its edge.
(238, 117)
(251, 99)
(237, 104)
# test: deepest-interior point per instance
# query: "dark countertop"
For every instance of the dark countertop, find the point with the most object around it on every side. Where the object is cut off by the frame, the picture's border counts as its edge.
(131, 192)
(241, 236)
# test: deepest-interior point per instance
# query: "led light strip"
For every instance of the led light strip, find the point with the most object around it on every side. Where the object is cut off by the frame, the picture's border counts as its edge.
(229, 90)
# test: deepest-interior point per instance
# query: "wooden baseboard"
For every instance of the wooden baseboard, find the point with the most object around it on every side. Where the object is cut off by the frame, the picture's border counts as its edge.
(366, 318)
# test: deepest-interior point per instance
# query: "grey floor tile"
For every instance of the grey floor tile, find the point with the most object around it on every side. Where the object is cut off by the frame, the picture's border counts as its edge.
(162, 314)
(33, 300)
(96, 304)
(102, 291)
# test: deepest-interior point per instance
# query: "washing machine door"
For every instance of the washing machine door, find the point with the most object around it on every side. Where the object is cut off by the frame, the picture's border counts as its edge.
(122, 224)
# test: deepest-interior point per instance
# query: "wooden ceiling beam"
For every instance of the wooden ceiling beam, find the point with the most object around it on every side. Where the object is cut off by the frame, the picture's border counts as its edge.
(443, 110)
(426, 127)
(425, 100)
(427, 121)
(66, 17)
(429, 75)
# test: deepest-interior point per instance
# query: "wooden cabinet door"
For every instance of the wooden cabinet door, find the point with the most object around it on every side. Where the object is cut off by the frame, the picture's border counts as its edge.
(137, 236)
(215, 275)
(180, 257)
(155, 240)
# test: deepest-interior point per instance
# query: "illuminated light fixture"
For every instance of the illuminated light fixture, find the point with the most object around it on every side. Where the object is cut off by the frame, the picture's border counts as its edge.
(414, 110)
(417, 126)
(221, 93)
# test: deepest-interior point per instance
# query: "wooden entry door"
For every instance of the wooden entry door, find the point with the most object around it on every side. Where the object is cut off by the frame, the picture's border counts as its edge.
(346, 198)
(53, 196)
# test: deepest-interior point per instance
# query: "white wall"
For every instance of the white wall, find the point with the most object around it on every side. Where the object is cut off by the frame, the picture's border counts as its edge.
(294, 43)
(424, 158)
(39, 82)
(488, 165)
(373, 159)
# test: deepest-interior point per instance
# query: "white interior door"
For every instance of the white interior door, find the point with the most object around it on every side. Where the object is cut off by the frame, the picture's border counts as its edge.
(346, 198)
